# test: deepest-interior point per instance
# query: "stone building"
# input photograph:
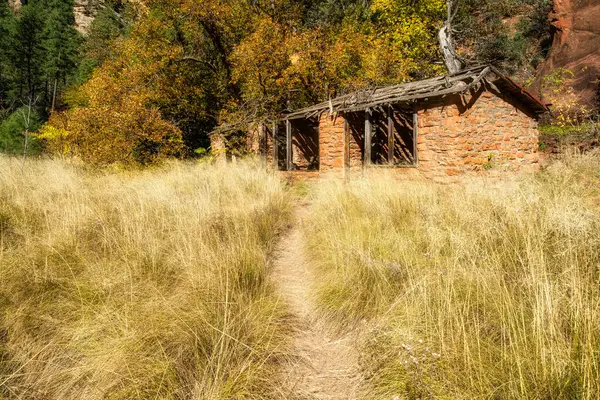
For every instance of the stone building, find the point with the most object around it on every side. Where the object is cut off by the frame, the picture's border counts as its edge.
(465, 123)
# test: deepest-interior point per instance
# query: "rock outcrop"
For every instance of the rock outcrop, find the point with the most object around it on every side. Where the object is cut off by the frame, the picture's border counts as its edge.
(84, 15)
(83, 10)
(576, 47)
(14, 4)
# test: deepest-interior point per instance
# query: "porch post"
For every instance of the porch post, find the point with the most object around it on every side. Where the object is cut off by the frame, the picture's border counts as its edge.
(390, 129)
(275, 145)
(415, 137)
(262, 141)
(368, 137)
(346, 144)
(288, 144)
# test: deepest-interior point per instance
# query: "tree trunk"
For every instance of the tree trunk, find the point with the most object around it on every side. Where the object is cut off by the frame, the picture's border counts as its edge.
(27, 121)
(447, 48)
(54, 94)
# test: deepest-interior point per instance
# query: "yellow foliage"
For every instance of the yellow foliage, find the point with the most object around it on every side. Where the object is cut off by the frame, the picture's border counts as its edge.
(407, 33)
(56, 135)
(566, 103)
(228, 61)
(117, 120)
(282, 66)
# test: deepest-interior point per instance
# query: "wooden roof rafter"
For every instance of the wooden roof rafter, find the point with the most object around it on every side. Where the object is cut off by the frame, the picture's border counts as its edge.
(459, 83)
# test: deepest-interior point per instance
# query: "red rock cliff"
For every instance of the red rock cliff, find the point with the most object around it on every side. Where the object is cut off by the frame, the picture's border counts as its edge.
(576, 46)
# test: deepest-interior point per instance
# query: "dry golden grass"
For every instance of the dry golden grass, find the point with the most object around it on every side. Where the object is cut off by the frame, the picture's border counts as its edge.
(484, 290)
(138, 284)
(154, 284)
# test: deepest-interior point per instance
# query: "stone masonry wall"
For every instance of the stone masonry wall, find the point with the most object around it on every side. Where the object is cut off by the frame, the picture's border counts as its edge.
(454, 138)
(217, 146)
(490, 135)
(331, 142)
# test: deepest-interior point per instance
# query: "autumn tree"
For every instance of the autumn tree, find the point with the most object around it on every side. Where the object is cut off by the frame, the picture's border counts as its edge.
(333, 49)
(190, 66)
(115, 117)
(407, 30)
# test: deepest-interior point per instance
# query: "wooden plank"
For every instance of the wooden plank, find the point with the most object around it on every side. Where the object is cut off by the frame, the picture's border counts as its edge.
(390, 132)
(275, 146)
(346, 143)
(415, 138)
(262, 141)
(404, 92)
(368, 137)
(461, 86)
(288, 144)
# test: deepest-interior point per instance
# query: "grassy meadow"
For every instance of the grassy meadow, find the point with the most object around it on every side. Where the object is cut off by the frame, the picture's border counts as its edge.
(138, 285)
(155, 284)
(484, 290)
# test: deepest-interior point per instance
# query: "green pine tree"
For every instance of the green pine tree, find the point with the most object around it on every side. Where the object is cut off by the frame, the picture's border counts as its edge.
(60, 43)
(28, 56)
(7, 24)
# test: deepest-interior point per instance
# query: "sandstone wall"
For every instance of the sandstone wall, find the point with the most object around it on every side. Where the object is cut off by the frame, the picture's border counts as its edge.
(331, 142)
(217, 146)
(490, 135)
(269, 143)
(83, 11)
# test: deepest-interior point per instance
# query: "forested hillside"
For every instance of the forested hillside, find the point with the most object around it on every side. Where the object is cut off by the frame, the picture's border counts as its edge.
(152, 78)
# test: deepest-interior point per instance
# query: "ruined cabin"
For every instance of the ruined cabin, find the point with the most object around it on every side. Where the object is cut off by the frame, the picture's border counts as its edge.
(469, 122)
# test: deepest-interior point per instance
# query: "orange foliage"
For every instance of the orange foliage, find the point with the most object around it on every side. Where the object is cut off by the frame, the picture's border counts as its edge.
(207, 62)
(117, 120)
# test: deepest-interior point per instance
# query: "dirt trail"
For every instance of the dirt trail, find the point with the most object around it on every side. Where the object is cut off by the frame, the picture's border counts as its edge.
(325, 363)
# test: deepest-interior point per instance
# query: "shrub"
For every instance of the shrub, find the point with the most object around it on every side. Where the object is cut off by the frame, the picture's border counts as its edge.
(566, 102)
(12, 132)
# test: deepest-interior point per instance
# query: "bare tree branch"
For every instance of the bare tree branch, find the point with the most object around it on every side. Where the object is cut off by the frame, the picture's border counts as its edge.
(451, 59)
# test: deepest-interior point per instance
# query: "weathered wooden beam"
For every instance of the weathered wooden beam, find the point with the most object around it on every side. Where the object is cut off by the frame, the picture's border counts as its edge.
(275, 145)
(415, 138)
(390, 132)
(459, 87)
(368, 137)
(262, 140)
(476, 81)
(360, 100)
(346, 143)
(288, 144)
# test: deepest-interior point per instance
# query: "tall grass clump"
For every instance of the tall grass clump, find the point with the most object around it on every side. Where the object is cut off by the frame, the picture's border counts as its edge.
(480, 290)
(138, 285)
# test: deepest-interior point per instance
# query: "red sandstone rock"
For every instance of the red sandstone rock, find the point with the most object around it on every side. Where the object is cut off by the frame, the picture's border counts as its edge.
(576, 46)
